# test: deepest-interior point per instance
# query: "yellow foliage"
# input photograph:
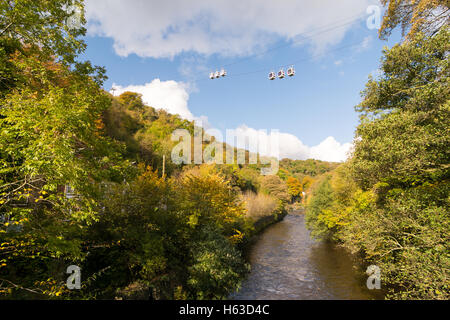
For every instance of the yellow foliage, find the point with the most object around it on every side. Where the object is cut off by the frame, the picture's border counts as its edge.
(237, 237)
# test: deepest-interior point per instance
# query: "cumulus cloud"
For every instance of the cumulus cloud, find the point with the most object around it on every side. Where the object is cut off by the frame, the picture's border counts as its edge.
(169, 95)
(289, 146)
(152, 28)
(330, 150)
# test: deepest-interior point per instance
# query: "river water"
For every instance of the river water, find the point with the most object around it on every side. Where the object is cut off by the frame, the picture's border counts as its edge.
(288, 265)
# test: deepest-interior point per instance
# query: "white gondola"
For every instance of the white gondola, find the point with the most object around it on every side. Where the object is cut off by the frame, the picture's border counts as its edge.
(223, 73)
(211, 75)
(281, 74)
(217, 75)
(291, 72)
(272, 75)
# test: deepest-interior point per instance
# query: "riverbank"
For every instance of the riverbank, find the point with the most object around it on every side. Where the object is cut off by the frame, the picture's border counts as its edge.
(262, 223)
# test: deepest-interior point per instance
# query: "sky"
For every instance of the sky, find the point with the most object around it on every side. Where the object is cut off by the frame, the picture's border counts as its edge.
(165, 50)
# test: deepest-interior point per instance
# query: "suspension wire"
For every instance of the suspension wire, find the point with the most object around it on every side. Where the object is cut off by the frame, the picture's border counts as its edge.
(304, 36)
(311, 34)
(296, 61)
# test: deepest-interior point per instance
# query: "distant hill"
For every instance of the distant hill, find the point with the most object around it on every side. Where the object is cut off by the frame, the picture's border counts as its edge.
(310, 167)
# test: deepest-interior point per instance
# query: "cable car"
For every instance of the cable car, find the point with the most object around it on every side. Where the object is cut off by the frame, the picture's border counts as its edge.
(272, 75)
(281, 74)
(211, 75)
(291, 71)
(217, 75)
(223, 73)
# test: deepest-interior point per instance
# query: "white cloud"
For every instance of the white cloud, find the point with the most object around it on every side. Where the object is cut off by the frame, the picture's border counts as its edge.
(338, 62)
(330, 150)
(152, 28)
(292, 147)
(169, 95)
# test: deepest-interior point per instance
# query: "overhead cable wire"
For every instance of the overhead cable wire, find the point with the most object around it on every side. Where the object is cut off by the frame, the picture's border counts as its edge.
(311, 34)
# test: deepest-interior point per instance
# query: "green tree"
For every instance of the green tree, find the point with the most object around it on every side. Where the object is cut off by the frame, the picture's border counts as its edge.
(390, 201)
(41, 25)
(322, 200)
(403, 138)
(51, 138)
(401, 156)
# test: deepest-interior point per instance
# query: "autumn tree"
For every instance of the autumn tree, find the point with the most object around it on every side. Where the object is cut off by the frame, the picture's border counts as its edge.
(414, 16)
(295, 188)
(307, 182)
(275, 187)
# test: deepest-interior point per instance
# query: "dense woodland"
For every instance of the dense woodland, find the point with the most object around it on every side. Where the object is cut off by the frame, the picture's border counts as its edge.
(389, 202)
(82, 183)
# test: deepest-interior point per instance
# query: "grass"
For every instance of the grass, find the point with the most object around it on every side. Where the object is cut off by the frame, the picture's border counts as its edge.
(259, 205)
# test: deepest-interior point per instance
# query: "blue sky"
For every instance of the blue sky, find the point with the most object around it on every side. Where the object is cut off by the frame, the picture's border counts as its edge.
(167, 54)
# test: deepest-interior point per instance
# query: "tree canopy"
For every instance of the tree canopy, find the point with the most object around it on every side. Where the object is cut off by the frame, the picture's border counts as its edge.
(389, 202)
(414, 17)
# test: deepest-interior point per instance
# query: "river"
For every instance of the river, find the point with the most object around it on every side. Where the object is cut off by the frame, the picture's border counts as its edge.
(288, 265)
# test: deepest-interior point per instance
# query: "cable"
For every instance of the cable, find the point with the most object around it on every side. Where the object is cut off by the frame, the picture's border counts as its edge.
(313, 32)
(296, 61)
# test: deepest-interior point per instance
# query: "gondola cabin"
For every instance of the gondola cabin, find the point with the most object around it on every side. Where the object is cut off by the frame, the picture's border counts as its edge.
(272, 76)
(291, 72)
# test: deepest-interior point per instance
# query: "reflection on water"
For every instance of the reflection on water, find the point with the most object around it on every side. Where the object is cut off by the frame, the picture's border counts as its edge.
(287, 264)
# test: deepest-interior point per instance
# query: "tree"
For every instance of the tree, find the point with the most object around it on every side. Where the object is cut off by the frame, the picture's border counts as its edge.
(307, 182)
(51, 140)
(295, 188)
(401, 157)
(322, 200)
(389, 202)
(51, 137)
(403, 138)
(275, 187)
(41, 25)
(414, 16)
(132, 100)
(138, 240)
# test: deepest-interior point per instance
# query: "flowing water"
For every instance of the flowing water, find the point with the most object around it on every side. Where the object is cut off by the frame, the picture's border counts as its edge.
(287, 264)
